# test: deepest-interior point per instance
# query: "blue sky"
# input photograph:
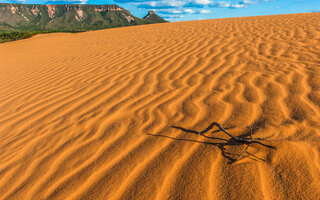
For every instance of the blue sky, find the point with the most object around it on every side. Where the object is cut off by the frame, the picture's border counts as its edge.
(183, 10)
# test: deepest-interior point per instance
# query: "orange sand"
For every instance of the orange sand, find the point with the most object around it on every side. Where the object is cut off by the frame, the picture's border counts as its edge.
(89, 115)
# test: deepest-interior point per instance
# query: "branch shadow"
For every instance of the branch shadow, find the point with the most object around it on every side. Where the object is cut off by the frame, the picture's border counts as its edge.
(201, 132)
(221, 145)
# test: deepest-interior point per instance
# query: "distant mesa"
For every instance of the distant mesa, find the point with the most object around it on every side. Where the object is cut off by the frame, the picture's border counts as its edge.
(73, 18)
(152, 17)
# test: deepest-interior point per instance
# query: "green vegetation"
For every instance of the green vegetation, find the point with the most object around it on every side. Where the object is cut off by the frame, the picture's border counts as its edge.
(11, 36)
(18, 35)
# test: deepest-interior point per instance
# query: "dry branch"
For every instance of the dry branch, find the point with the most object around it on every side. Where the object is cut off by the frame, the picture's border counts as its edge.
(244, 141)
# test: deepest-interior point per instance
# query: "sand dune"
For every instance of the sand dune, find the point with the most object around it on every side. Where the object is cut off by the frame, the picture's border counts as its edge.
(91, 115)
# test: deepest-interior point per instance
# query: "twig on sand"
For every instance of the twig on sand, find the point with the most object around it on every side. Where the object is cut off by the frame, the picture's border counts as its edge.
(244, 141)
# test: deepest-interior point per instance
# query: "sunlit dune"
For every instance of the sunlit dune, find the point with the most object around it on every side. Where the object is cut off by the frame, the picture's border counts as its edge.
(114, 114)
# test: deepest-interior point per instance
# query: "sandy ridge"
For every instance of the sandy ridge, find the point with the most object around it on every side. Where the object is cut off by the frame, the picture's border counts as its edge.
(90, 115)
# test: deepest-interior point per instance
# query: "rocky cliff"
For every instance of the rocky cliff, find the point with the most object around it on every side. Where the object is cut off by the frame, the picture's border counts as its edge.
(73, 17)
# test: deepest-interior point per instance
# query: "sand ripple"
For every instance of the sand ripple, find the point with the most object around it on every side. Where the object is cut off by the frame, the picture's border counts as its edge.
(90, 115)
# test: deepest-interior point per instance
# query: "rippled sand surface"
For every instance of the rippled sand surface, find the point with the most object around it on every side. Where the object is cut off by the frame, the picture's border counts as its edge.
(112, 114)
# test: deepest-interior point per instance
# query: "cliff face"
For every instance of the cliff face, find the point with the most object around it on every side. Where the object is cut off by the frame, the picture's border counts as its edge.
(65, 17)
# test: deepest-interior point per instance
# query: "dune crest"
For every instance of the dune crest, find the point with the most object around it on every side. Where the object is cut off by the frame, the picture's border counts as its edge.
(92, 115)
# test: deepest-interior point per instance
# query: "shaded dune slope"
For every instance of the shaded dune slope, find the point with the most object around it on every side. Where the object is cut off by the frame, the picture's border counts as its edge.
(90, 115)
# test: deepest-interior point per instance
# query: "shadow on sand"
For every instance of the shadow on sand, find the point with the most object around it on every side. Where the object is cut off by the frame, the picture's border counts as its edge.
(221, 145)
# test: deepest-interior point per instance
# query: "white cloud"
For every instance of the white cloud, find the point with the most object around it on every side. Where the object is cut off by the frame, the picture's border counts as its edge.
(176, 11)
(237, 5)
(205, 11)
(67, 1)
(250, 2)
(175, 3)
(153, 4)
(165, 3)
(189, 11)
(182, 11)
(203, 2)
(223, 4)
